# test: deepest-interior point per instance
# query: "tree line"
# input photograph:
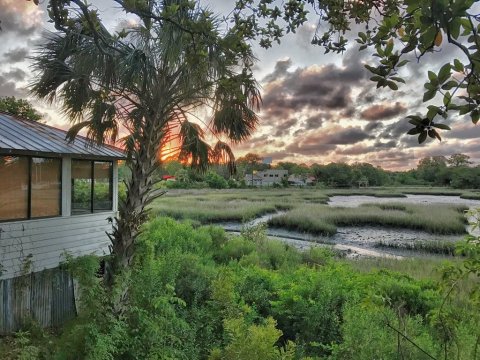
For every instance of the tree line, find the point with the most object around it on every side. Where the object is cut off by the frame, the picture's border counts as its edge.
(456, 171)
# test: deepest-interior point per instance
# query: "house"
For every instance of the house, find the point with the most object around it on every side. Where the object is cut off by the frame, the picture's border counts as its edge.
(266, 178)
(295, 180)
(56, 198)
(253, 180)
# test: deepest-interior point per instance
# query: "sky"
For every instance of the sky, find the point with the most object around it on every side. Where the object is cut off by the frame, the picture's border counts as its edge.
(317, 108)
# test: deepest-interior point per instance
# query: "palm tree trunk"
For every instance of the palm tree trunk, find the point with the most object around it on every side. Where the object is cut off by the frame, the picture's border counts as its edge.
(133, 212)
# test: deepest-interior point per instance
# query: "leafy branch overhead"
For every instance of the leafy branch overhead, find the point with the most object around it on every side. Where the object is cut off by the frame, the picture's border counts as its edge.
(395, 30)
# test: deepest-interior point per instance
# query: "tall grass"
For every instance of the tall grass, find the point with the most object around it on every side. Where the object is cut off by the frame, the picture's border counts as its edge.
(320, 219)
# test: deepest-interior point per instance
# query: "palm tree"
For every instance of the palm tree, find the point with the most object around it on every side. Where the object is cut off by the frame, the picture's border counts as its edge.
(148, 82)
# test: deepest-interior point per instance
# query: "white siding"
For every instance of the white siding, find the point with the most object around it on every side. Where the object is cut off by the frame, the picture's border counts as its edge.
(46, 240)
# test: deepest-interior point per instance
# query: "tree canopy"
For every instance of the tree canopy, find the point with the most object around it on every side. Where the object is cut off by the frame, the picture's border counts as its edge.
(19, 107)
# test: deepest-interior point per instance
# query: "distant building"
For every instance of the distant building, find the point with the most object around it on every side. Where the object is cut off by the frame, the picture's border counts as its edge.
(266, 178)
(296, 180)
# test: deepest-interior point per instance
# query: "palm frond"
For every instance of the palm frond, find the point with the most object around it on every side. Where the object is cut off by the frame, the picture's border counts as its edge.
(223, 154)
(193, 148)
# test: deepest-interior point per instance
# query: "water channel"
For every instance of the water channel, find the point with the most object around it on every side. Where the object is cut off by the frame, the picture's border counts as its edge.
(362, 241)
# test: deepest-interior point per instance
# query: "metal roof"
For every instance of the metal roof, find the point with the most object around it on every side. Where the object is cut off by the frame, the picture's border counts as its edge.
(21, 136)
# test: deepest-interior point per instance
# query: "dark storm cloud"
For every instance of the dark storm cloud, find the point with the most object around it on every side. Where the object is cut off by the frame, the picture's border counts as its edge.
(322, 142)
(396, 129)
(344, 136)
(385, 145)
(277, 155)
(325, 87)
(382, 111)
(373, 126)
(313, 122)
(285, 127)
(310, 148)
(467, 130)
(15, 74)
(16, 55)
(9, 88)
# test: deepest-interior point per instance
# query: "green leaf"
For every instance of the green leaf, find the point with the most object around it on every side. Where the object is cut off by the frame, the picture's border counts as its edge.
(429, 95)
(398, 79)
(402, 63)
(392, 85)
(422, 137)
(444, 73)
(464, 109)
(458, 66)
(432, 76)
(432, 112)
(475, 115)
(414, 131)
(376, 78)
(414, 119)
(447, 98)
(442, 126)
(449, 85)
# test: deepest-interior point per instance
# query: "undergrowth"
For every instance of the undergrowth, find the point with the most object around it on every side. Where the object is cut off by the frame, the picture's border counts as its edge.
(194, 293)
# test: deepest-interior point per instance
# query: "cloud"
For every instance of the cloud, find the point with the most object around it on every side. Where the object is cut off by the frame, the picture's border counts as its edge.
(15, 74)
(280, 70)
(322, 142)
(463, 131)
(9, 88)
(383, 111)
(373, 126)
(326, 87)
(285, 127)
(16, 55)
(314, 122)
(18, 17)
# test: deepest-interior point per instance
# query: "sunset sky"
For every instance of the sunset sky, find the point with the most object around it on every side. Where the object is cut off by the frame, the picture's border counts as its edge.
(316, 108)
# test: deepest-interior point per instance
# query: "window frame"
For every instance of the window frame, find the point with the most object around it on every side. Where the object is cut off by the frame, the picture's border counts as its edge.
(29, 189)
(92, 187)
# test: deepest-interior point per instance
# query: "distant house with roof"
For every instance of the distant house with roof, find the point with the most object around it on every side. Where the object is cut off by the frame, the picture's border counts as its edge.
(56, 197)
(266, 178)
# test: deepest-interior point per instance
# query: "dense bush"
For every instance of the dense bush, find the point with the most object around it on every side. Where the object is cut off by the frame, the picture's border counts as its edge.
(215, 181)
(193, 293)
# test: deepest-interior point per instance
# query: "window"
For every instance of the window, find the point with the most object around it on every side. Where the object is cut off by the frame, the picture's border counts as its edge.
(46, 187)
(92, 189)
(30, 187)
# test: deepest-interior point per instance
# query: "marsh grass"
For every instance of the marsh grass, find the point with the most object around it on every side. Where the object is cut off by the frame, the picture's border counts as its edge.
(320, 219)
(307, 209)
(210, 206)
(439, 247)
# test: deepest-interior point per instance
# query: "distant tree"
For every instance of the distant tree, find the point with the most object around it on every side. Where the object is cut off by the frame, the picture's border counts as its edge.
(430, 167)
(374, 175)
(249, 163)
(335, 175)
(457, 160)
(294, 168)
(19, 107)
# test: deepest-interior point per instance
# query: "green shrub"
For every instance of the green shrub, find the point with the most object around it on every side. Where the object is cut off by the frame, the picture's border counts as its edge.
(215, 181)
(234, 249)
